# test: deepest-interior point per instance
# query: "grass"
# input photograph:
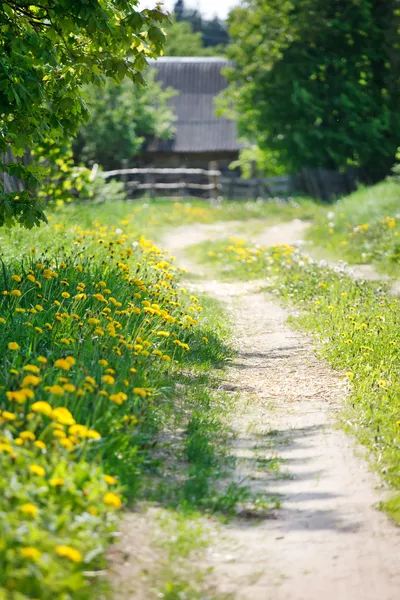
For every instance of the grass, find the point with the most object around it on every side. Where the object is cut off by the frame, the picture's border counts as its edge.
(358, 327)
(103, 353)
(233, 258)
(363, 228)
(147, 218)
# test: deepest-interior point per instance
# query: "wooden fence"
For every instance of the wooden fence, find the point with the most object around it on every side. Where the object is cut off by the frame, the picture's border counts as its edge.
(193, 180)
(188, 179)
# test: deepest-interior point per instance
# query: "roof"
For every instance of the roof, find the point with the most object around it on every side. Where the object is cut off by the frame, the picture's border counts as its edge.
(198, 81)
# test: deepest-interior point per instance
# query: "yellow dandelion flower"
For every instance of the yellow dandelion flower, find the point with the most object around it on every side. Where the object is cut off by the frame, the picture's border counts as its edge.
(69, 387)
(13, 346)
(110, 479)
(67, 444)
(140, 392)
(30, 553)
(31, 369)
(69, 552)
(56, 390)
(16, 278)
(42, 407)
(56, 482)
(27, 435)
(108, 379)
(112, 500)
(39, 444)
(16, 293)
(29, 509)
(62, 363)
(63, 416)
(31, 380)
(8, 416)
(37, 470)
(92, 434)
(5, 447)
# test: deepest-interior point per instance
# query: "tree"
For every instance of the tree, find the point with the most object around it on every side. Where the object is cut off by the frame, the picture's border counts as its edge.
(317, 81)
(49, 50)
(124, 115)
(213, 32)
(183, 41)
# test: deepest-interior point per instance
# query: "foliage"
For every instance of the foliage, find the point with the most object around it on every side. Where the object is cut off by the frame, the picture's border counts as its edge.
(317, 82)
(93, 331)
(123, 117)
(63, 180)
(264, 161)
(213, 32)
(183, 41)
(363, 228)
(48, 51)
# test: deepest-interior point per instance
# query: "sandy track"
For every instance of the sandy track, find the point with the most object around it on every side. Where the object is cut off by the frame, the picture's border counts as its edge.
(328, 540)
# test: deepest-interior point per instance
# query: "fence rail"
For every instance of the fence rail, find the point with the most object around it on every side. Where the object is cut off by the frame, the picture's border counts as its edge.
(152, 175)
(321, 183)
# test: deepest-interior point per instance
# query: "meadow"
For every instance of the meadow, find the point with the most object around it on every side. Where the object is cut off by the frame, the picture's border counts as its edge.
(362, 228)
(104, 350)
(99, 343)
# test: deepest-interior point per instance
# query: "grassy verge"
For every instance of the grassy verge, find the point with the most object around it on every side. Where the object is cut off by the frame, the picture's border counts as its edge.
(233, 258)
(147, 218)
(99, 342)
(358, 326)
(363, 228)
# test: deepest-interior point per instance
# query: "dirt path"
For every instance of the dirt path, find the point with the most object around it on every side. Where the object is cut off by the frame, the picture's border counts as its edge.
(327, 541)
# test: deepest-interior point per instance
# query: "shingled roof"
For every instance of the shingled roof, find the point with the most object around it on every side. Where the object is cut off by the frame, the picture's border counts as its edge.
(198, 80)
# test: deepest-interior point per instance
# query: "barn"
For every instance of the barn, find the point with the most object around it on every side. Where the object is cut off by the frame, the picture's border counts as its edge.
(200, 136)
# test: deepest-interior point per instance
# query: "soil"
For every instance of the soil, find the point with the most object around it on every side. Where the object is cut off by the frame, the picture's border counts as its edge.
(327, 540)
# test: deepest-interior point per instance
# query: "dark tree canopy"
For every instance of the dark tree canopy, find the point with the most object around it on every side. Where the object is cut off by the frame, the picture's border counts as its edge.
(317, 81)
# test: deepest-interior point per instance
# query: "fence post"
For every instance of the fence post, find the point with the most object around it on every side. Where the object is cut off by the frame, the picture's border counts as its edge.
(182, 190)
(150, 179)
(124, 177)
(213, 179)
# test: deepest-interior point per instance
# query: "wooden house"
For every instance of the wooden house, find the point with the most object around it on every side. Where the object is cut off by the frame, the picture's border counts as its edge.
(200, 136)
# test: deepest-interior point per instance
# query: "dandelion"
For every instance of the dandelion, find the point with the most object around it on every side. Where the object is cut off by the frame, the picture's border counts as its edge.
(29, 509)
(108, 379)
(56, 390)
(63, 416)
(56, 482)
(13, 346)
(62, 363)
(8, 416)
(110, 479)
(5, 447)
(32, 380)
(16, 293)
(42, 407)
(39, 444)
(31, 369)
(69, 552)
(30, 553)
(112, 500)
(37, 470)
(27, 435)
(118, 398)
